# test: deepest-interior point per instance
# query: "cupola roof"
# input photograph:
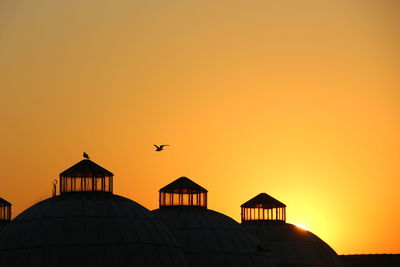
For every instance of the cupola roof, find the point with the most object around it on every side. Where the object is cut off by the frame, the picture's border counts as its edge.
(264, 201)
(4, 202)
(183, 185)
(86, 168)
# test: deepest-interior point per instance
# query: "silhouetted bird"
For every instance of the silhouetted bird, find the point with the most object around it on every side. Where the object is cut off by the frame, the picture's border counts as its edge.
(160, 148)
(86, 156)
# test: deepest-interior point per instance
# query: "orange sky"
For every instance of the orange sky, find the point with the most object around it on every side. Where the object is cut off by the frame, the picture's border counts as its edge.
(298, 99)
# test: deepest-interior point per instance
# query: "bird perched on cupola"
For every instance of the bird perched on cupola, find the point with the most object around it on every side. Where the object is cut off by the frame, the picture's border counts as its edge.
(86, 156)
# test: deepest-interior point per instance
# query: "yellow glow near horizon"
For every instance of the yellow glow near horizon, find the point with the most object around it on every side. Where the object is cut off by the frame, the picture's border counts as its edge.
(302, 227)
(298, 99)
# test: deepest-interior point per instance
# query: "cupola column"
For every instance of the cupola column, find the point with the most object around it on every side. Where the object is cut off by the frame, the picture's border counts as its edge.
(183, 192)
(263, 208)
(86, 176)
(5, 210)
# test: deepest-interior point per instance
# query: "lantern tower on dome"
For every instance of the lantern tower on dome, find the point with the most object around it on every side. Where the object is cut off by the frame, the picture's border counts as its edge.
(263, 207)
(183, 192)
(5, 210)
(86, 176)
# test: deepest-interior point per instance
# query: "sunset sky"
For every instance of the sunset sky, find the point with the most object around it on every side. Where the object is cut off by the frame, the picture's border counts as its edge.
(298, 99)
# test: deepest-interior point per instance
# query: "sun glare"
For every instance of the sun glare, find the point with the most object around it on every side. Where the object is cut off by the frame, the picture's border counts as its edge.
(302, 227)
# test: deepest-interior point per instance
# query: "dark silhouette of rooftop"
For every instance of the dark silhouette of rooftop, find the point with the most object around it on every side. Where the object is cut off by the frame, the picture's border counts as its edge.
(264, 201)
(208, 238)
(183, 192)
(86, 168)
(183, 185)
(86, 176)
(5, 210)
(4, 202)
(289, 246)
(371, 260)
(263, 207)
(90, 229)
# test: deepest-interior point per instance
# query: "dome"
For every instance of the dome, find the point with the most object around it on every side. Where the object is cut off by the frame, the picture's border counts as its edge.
(2, 225)
(88, 226)
(290, 245)
(208, 238)
(84, 229)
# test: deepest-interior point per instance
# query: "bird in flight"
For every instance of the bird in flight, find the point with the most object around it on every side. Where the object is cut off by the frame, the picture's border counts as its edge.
(160, 148)
(86, 156)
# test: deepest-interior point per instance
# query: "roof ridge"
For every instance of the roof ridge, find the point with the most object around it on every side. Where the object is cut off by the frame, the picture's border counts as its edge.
(86, 168)
(263, 200)
(183, 185)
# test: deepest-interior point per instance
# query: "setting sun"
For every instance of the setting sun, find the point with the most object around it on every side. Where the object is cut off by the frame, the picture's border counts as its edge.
(300, 226)
(298, 99)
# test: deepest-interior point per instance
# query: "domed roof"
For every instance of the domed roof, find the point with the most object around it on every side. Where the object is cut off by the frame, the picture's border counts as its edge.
(84, 229)
(3, 224)
(209, 238)
(292, 246)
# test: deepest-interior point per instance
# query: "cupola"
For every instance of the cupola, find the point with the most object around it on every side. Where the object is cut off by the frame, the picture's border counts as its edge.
(183, 192)
(288, 245)
(263, 207)
(86, 176)
(5, 210)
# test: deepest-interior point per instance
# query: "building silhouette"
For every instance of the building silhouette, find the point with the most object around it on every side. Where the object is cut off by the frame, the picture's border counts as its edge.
(208, 238)
(87, 225)
(290, 246)
(371, 260)
(5, 213)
